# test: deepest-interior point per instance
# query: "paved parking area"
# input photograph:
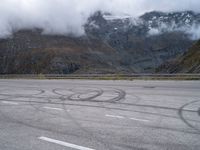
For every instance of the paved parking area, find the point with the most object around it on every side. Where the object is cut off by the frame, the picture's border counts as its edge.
(99, 115)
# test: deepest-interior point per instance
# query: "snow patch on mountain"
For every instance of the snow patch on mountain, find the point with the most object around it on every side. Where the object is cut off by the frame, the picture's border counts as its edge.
(116, 17)
(186, 22)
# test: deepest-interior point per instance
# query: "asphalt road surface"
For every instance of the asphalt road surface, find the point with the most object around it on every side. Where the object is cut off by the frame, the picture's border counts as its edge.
(99, 115)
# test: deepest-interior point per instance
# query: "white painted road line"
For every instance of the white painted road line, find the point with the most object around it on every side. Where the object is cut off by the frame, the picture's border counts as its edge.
(53, 108)
(9, 103)
(122, 117)
(64, 143)
(136, 119)
(113, 116)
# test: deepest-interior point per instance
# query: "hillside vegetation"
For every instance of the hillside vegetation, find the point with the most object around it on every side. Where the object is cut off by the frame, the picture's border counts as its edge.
(188, 63)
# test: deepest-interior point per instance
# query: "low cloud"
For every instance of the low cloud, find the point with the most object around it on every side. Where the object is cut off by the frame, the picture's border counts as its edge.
(193, 31)
(67, 17)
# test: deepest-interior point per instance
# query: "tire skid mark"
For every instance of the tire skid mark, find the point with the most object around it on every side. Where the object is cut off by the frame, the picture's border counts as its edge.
(40, 91)
(50, 129)
(85, 131)
(99, 92)
(120, 96)
(101, 107)
(180, 113)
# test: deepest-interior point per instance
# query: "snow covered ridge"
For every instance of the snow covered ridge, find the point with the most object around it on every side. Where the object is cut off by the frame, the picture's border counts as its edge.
(157, 23)
(187, 22)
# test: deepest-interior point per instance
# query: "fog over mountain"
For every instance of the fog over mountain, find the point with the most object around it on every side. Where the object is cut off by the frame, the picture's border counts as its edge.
(68, 17)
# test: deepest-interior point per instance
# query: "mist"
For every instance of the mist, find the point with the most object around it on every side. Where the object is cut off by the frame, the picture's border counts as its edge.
(67, 17)
(193, 30)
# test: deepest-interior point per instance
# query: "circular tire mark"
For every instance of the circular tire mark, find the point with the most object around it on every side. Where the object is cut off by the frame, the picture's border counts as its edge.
(121, 95)
(91, 95)
(180, 113)
(90, 98)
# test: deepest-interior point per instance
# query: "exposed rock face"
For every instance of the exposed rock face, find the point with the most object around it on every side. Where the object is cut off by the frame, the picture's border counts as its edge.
(188, 63)
(112, 44)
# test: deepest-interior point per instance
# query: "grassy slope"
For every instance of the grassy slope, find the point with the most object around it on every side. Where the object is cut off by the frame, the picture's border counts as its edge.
(188, 63)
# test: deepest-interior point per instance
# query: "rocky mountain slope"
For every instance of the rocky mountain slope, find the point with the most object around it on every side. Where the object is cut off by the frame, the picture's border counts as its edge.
(30, 52)
(112, 44)
(188, 63)
(148, 41)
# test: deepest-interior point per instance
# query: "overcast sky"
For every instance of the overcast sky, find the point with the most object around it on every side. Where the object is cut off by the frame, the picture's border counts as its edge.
(69, 16)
